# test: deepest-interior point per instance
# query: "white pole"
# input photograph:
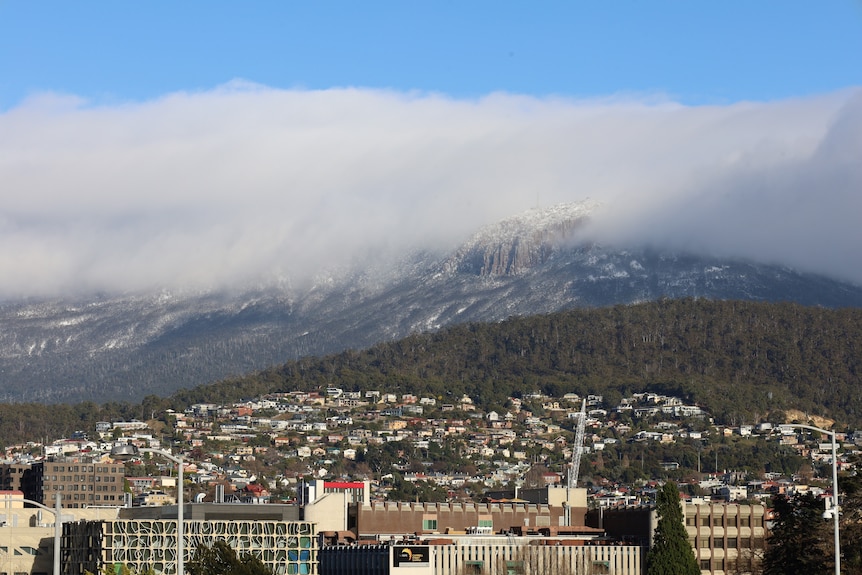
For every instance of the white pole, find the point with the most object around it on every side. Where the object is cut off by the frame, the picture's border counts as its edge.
(58, 532)
(180, 532)
(835, 514)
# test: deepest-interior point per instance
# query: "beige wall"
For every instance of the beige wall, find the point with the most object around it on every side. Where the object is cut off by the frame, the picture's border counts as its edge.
(29, 543)
(722, 533)
(465, 557)
(328, 511)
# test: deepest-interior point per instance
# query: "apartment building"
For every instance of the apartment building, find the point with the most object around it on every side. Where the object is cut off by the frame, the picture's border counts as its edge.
(81, 482)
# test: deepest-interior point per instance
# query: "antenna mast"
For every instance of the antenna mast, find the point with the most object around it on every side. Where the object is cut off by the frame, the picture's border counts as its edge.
(579, 447)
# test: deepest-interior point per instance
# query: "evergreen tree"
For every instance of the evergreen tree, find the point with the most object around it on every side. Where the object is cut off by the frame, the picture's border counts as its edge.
(801, 541)
(851, 523)
(221, 559)
(671, 553)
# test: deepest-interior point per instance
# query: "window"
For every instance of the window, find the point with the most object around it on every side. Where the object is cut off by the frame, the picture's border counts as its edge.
(743, 521)
(704, 564)
(473, 567)
(758, 543)
(704, 521)
(731, 543)
(689, 521)
(718, 521)
(486, 523)
(427, 524)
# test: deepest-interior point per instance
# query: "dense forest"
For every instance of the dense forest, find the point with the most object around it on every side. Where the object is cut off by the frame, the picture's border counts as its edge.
(741, 361)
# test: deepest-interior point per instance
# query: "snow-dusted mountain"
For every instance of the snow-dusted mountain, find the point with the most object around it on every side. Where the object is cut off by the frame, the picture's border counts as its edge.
(127, 347)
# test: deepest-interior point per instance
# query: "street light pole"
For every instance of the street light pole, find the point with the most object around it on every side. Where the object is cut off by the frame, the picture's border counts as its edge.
(58, 524)
(58, 532)
(128, 451)
(835, 514)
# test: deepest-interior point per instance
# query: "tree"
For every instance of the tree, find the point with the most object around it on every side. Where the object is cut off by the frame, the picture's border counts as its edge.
(801, 541)
(221, 559)
(851, 523)
(671, 553)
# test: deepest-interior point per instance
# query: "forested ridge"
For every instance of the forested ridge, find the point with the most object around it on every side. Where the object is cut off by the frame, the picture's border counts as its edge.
(739, 360)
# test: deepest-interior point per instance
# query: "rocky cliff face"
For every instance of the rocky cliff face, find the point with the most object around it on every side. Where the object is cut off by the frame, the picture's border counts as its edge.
(127, 347)
(523, 242)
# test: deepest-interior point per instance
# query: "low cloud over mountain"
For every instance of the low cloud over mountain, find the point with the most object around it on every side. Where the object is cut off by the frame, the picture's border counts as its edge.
(245, 184)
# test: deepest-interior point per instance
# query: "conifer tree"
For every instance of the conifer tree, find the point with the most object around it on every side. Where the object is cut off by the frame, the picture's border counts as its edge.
(671, 553)
(801, 541)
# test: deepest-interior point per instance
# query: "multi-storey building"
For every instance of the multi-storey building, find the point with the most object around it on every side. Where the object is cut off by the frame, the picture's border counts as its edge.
(81, 482)
(726, 537)
(22, 477)
(484, 555)
(285, 547)
(27, 533)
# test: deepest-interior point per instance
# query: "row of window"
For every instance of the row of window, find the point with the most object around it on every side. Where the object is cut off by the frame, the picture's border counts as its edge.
(729, 543)
(83, 478)
(431, 524)
(62, 487)
(722, 521)
(85, 497)
(724, 565)
(87, 469)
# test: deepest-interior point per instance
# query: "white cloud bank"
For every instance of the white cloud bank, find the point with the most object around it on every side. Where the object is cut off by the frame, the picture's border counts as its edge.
(247, 183)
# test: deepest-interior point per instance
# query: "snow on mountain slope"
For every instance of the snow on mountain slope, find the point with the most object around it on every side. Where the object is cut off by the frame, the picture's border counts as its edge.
(126, 347)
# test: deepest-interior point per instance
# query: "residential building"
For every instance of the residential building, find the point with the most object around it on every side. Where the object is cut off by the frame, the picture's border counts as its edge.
(81, 481)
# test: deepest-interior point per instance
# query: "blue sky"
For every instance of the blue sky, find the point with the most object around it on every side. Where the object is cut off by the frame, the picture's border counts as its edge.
(694, 52)
(157, 144)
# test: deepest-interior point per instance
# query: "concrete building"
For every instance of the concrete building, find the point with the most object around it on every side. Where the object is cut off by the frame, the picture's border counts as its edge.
(487, 555)
(82, 482)
(540, 511)
(285, 547)
(726, 537)
(356, 491)
(27, 533)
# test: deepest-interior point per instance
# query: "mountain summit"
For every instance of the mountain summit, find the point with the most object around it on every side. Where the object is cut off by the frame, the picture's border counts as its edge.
(523, 242)
(126, 347)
